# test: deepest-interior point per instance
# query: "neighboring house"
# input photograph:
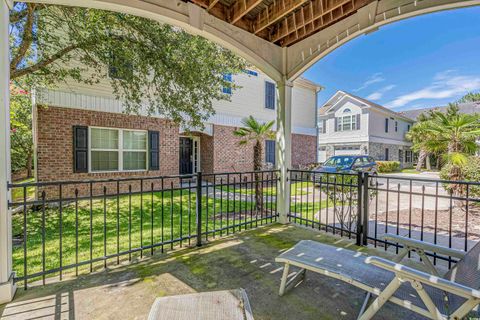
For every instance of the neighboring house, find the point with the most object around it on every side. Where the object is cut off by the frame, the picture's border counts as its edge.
(81, 132)
(350, 125)
(468, 108)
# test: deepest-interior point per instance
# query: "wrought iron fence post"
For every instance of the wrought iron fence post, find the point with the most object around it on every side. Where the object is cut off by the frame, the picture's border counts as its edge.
(359, 208)
(365, 211)
(198, 209)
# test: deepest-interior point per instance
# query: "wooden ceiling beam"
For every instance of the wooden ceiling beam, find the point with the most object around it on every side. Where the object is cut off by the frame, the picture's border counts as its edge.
(220, 11)
(317, 15)
(212, 4)
(241, 7)
(274, 13)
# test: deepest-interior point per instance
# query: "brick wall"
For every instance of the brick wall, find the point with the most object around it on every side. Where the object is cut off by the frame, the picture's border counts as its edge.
(304, 150)
(220, 153)
(54, 139)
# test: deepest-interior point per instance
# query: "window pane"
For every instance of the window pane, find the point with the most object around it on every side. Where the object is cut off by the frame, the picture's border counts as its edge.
(346, 123)
(104, 160)
(134, 160)
(104, 138)
(134, 140)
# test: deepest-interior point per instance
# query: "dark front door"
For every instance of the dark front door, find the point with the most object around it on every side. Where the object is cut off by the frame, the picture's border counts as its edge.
(186, 165)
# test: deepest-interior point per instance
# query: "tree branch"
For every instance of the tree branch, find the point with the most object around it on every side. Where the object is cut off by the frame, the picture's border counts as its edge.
(44, 63)
(27, 38)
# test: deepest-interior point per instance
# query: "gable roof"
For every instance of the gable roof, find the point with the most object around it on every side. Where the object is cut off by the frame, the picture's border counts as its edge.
(367, 103)
(468, 108)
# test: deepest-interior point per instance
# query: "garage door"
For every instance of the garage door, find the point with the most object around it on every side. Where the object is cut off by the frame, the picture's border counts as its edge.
(347, 150)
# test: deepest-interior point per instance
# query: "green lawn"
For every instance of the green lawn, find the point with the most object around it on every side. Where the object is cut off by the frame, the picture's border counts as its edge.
(177, 212)
(178, 219)
(17, 193)
(297, 187)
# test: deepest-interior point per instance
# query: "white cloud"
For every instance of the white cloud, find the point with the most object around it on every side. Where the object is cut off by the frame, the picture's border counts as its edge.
(445, 85)
(374, 78)
(379, 93)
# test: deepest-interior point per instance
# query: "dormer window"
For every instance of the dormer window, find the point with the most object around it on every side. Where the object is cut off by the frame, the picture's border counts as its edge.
(347, 110)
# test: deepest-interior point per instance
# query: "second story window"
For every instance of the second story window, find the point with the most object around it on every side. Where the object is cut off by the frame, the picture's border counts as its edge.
(270, 95)
(408, 127)
(227, 89)
(348, 122)
(386, 124)
(322, 126)
(396, 126)
(119, 68)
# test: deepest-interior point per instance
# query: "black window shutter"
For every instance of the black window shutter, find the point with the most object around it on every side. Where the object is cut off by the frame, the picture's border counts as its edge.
(80, 149)
(324, 126)
(153, 150)
(336, 124)
(358, 121)
(269, 95)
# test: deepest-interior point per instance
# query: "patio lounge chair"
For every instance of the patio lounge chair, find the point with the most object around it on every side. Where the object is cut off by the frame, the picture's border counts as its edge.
(452, 296)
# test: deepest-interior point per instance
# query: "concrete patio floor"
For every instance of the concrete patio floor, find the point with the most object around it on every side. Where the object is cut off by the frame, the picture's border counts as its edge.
(243, 260)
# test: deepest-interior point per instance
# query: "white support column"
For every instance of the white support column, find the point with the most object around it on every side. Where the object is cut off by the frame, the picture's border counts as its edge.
(284, 146)
(7, 288)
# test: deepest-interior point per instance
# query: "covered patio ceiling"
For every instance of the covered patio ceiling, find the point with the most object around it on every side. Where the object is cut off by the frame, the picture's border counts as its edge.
(283, 22)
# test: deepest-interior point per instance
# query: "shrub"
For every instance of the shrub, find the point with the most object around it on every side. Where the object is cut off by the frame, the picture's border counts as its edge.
(388, 166)
(470, 172)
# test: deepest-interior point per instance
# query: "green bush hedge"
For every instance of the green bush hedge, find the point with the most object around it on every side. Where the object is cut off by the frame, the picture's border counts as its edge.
(388, 166)
(470, 171)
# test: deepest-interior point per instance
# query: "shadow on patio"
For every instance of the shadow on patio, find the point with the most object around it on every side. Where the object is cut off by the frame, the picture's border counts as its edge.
(243, 260)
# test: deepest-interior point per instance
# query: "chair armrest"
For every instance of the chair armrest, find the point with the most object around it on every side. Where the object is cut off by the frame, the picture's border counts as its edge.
(413, 274)
(425, 246)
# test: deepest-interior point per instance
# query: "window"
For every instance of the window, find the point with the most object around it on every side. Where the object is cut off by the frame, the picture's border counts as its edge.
(408, 127)
(396, 126)
(386, 125)
(117, 150)
(347, 111)
(119, 68)
(269, 95)
(251, 72)
(347, 123)
(228, 89)
(386, 154)
(322, 126)
(408, 156)
(270, 151)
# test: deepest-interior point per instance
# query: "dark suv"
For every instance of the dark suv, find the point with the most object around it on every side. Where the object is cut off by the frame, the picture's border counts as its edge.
(348, 164)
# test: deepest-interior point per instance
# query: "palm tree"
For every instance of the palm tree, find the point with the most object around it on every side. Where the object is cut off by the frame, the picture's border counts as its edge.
(419, 136)
(457, 133)
(254, 131)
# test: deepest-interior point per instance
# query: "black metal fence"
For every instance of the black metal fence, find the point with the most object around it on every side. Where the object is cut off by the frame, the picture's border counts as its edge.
(70, 227)
(441, 212)
(326, 201)
(367, 207)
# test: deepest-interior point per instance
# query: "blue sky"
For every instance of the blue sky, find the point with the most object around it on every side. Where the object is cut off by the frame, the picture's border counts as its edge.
(419, 62)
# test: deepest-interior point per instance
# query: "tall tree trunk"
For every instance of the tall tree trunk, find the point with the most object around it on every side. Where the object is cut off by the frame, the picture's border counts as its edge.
(427, 162)
(257, 166)
(421, 159)
(29, 165)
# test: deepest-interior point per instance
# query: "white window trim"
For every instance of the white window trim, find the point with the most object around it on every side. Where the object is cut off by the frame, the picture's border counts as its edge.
(120, 150)
(353, 122)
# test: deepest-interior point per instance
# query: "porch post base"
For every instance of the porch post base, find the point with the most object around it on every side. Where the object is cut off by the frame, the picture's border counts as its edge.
(7, 290)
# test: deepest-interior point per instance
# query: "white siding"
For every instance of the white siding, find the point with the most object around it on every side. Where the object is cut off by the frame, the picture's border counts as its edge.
(332, 136)
(377, 128)
(245, 101)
